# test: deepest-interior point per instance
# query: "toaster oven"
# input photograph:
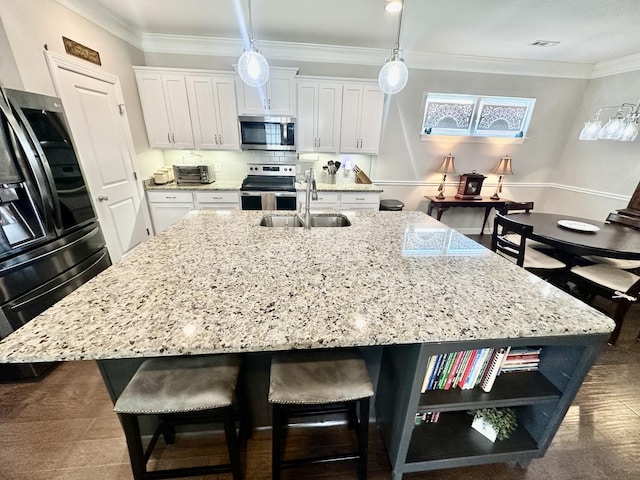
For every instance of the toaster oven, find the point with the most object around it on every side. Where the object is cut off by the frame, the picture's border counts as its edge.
(194, 174)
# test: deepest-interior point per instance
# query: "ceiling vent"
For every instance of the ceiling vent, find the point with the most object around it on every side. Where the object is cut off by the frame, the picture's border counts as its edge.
(544, 43)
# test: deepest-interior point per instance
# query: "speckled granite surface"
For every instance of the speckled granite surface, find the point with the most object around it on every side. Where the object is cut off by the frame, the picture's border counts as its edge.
(221, 283)
(235, 185)
(217, 185)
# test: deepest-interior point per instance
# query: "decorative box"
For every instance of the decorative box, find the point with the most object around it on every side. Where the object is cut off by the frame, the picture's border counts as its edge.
(470, 186)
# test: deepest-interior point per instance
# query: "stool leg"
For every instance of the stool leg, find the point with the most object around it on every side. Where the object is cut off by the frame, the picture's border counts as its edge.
(168, 431)
(134, 445)
(276, 441)
(363, 438)
(352, 416)
(246, 422)
(232, 442)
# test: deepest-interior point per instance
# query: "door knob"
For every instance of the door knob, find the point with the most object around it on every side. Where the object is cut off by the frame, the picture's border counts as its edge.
(103, 198)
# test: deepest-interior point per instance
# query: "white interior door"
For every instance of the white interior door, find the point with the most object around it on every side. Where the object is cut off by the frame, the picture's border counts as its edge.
(95, 111)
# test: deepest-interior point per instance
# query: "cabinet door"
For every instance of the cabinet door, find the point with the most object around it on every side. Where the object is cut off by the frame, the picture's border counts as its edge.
(371, 119)
(228, 127)
(200, 91)
(164, 215)
(154, 109)
(251, 101)
(175, 92)
(281, 99)
(306, 121)
(329, 109)
(351, 111)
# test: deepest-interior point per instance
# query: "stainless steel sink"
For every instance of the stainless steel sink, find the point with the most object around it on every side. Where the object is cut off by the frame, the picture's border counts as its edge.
(317, 220)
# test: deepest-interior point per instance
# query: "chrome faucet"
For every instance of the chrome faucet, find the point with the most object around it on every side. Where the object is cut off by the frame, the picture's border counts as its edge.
(311, 193)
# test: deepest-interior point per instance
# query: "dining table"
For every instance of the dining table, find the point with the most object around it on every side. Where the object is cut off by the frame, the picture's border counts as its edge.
(580, 236)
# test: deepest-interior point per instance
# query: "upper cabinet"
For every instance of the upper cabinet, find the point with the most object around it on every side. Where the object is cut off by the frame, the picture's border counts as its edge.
(166, 110)
(319, 115)
(214, 117)
(276, 97)
(362, 106)
(188, 109)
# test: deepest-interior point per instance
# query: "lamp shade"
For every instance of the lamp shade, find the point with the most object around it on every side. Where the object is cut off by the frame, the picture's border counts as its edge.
(503, 167)
(253, 68)
(393, 76)
(447, 165)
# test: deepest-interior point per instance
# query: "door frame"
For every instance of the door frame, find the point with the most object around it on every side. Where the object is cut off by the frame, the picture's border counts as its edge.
(57, 62)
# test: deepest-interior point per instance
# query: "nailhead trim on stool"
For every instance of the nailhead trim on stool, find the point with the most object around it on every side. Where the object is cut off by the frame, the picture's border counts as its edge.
(172, 388)
(316, 382)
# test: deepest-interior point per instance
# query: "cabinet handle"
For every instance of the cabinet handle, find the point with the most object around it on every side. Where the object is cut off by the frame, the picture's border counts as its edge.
(169, 137)
(220, 139)
(215, 137)
(318, 142)
(216, 198)
(173, 138)
(269, 104)
(359, 199)
(169, 198)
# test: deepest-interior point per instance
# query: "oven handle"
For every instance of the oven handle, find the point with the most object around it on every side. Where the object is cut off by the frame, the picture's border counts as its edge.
(277, 194)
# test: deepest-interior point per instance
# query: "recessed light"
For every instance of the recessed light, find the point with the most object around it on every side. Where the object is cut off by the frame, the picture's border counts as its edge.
(544, 43)
(393, 6)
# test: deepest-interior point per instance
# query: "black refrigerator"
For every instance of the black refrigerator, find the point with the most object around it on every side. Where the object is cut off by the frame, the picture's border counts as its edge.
(50, 239)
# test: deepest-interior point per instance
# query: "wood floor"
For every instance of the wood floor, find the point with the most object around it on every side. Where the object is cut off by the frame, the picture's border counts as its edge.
(63, 428)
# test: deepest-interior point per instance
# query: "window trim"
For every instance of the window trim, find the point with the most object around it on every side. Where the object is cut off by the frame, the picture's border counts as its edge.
(471, 134)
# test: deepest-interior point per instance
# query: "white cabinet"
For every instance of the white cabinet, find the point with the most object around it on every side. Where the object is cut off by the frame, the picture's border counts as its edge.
(214, 116)
(319, 114)
(360, 201)
(342, 201)
(276, 97)
(217, 200)
(165, 107)
(362, 106)
(167, 207)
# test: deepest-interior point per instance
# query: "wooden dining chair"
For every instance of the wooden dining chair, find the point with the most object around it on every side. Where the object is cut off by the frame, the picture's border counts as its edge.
(618, 285)
(621, 263)
(510, 240)
(512, 208)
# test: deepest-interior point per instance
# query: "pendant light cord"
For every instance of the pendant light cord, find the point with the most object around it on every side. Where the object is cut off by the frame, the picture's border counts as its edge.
(399, 27)
(251, 37)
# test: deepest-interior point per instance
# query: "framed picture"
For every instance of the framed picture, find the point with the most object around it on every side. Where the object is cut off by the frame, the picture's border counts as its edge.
(74, 48)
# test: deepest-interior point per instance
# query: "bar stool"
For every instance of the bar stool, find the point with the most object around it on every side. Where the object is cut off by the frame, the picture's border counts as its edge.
(183, 390)
(314, 383)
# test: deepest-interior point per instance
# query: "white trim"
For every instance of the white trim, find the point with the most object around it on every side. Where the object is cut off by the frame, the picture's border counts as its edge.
(104, 18)
(617, 66)
(473, 139)
(556, 186)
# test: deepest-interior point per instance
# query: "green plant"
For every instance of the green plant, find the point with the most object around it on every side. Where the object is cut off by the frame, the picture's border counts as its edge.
(503, 420)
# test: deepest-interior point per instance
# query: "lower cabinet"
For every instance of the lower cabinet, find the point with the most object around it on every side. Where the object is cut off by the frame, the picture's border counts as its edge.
(217, 200)
(167, 207)
(539, 398)
(342, 201)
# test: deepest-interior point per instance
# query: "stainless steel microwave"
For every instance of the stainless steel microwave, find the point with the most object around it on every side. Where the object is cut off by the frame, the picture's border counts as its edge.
(268, 133)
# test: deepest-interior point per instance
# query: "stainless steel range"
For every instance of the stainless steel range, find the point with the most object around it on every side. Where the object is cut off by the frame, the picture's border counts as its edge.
(269, 187)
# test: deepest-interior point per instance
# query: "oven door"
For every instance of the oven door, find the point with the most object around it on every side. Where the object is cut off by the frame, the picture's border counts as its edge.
(268, 200)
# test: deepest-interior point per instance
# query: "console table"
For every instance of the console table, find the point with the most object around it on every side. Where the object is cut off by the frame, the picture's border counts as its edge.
(442, 205)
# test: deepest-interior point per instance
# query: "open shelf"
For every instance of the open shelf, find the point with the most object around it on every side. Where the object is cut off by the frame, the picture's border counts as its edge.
(509, 389)
(452, 437)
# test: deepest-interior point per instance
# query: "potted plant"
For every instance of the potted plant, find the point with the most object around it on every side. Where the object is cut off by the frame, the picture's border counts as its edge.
(494, 423)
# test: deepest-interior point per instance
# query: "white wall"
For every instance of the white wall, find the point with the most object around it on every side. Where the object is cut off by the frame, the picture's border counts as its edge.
(31, 24)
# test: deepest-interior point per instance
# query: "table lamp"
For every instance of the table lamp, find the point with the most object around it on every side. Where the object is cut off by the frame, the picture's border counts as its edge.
(446, 167)
(503, 168)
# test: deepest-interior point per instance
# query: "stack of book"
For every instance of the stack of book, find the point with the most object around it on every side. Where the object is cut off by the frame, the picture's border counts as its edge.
(521, 359)
(427, 417)
(465, 369)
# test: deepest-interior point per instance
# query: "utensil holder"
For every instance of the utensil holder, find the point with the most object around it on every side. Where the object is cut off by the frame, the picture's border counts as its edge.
(331, 178)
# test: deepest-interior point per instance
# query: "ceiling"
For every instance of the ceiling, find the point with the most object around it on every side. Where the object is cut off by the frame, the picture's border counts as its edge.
(588, 31)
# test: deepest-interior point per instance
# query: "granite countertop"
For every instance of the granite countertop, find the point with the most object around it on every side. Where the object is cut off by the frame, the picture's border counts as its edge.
(216, 283)
(235, 185)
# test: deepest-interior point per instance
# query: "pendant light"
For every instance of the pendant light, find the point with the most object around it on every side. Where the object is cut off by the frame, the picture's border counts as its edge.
(253, 68)
(393, 75)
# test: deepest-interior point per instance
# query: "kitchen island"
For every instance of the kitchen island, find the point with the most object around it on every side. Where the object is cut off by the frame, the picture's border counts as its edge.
(218, 282)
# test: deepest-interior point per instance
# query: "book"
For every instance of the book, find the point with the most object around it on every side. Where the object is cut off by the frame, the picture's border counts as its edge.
(475, 371)
(493, 369)
(434, 373)
(465, 375)
(427, 376)
(462, 367)
(445, 371)
(454, 369)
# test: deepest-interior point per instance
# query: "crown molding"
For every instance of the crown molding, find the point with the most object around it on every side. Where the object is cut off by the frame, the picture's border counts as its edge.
(630, 63)
(105, 19)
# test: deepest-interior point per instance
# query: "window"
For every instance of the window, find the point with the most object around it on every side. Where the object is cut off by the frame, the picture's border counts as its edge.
(476, 116)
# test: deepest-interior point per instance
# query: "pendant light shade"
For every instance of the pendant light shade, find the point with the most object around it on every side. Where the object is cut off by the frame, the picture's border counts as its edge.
(394, 74)
(253, 68)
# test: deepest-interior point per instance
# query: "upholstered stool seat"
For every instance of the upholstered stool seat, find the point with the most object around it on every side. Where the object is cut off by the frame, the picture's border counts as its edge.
(317, 382)
(173, 388)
